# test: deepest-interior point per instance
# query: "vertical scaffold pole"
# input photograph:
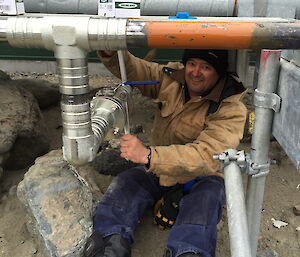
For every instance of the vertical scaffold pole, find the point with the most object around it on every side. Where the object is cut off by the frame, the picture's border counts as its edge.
(267, 85)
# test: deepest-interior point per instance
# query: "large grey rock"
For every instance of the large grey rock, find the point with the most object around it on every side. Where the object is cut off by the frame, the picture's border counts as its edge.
(22, 130)
(46, 93)
(60, 205)
(4, 76)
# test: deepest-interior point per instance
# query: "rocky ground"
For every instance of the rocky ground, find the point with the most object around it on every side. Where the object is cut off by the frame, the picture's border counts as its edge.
(282, 194)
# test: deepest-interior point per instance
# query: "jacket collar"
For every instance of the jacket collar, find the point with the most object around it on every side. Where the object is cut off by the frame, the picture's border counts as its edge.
(215, 92)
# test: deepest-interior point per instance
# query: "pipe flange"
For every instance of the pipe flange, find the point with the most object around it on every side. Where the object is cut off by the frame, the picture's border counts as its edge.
(267, 100)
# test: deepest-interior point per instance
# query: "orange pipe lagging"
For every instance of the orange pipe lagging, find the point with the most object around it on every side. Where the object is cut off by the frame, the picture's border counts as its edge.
(217, 35)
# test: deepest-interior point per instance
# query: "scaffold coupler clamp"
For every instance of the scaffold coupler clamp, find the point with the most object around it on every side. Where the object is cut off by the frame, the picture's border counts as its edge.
(257, 170)
(231, 155)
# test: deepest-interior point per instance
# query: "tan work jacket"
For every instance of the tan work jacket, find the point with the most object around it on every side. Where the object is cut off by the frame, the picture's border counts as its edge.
(184, 138)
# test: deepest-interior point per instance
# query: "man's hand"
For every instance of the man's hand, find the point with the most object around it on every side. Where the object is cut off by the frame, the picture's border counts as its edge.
(133, 149)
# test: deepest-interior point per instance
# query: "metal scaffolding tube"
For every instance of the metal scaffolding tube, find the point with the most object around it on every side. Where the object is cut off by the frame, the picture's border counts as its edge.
(267, 83)
(236, 211)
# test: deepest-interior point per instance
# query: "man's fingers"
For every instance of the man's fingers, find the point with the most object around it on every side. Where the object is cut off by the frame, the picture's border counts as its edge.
(123, 155)
(124, 149)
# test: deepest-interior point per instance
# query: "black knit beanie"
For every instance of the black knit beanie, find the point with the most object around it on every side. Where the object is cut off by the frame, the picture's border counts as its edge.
(217, 58)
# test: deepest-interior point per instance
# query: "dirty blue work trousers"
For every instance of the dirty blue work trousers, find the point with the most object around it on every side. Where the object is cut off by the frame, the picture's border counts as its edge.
(195, 229)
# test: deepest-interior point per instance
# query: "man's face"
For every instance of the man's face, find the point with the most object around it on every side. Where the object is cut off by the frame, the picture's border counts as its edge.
(200, 76)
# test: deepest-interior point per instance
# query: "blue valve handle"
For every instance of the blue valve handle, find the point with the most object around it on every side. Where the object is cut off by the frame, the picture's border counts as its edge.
(182, 15)
(136, 83)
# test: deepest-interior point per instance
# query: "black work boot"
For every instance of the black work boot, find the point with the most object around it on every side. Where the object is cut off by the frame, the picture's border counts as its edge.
(94, 246)
(116, 246)
(168, 253)
(191, 255)
(110, 246)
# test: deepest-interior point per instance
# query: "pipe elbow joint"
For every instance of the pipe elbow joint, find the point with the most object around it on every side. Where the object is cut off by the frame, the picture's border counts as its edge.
(79, 151)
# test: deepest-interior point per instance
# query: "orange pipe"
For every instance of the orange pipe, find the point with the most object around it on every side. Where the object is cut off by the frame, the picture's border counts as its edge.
(166, 34)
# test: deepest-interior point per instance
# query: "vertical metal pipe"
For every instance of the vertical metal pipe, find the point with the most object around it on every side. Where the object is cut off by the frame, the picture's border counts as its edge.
(122, 66)
(78, 137)
(125, 100)
(267, 83)
(236, 211)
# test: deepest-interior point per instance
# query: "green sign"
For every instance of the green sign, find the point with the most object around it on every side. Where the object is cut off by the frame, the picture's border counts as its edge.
(127, 5)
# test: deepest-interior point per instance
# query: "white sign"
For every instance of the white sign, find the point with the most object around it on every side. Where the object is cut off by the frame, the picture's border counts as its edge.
(106, 8)
(128, 9)
(12, 7)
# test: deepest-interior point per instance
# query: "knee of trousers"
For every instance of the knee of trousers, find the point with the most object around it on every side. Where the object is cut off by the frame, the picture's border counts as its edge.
(128, 187)
(203, 205)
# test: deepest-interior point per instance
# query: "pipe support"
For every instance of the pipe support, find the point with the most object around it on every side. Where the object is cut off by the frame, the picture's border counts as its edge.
(231, 160)
(267, 83)
(267, 100)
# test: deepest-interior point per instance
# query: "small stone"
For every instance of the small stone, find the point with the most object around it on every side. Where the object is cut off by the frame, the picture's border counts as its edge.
(296, 210)
(267, 253)
(278, 223)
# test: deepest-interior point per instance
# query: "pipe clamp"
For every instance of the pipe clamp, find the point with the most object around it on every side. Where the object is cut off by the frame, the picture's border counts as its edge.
(231, 155)
(243, 161)
(267, 100)
(257, 170)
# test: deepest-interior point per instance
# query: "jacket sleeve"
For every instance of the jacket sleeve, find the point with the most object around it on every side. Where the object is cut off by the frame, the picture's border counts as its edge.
(137, 70)
(224, 130)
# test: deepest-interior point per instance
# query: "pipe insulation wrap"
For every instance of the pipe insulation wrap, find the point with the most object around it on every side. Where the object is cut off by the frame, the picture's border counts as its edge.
(193, 7)
(78, 138)
(73, 76)
(58, 6)
(25, 32)
(108, 114)
(107, 34)
(148, 7)
(76, 120)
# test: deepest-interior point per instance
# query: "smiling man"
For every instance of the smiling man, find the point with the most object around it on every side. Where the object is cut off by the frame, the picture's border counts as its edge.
(199, 114)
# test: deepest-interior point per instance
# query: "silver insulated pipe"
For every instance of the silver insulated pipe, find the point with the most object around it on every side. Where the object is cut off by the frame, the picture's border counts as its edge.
(148, 7)
(66, 6)
(193, 7)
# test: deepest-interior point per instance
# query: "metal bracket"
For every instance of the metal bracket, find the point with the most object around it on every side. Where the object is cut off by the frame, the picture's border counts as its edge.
(231, 155)
(257, 170)
(267, 100)
(243, 161)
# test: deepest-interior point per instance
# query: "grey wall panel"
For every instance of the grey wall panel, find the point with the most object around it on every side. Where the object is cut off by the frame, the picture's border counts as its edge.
(286, 123)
